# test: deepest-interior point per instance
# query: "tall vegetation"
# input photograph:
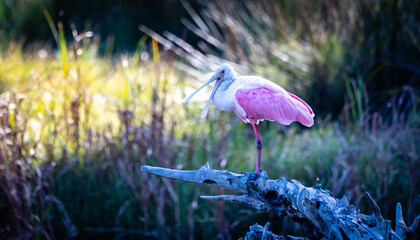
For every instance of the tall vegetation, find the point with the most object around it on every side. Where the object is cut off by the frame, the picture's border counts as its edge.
(75, 125)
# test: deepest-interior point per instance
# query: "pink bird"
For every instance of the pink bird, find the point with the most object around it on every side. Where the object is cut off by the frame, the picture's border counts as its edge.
(255, 99)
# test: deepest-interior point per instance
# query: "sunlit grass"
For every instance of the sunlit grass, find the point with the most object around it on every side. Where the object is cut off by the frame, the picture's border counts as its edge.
(99, 86)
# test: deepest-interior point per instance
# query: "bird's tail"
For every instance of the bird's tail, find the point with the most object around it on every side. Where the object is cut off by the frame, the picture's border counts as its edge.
(304, 118)
(305, 115)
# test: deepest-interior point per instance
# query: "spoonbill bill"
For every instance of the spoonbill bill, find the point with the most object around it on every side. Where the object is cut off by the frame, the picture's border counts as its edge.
(255, 99)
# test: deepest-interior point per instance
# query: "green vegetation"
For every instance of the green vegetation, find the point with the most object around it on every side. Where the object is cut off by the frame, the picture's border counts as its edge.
(76, 124)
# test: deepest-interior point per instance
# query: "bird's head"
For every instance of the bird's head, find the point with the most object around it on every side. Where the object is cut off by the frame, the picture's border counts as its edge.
(224, 71)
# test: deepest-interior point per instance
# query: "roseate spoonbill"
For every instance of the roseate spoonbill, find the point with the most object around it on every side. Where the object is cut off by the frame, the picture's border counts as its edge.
(255, 99)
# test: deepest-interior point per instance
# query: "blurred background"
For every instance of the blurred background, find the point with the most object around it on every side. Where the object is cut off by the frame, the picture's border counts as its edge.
(91, 90)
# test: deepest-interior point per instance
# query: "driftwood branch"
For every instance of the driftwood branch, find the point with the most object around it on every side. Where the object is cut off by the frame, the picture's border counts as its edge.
(259, 232)
(320, 214)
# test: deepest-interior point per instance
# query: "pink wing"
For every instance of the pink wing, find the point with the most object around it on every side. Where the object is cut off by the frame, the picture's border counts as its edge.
(262, 103)
(304, 103)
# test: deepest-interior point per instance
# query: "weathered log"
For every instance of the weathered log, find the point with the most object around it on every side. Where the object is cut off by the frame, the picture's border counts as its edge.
(259, 232)
(320, 214)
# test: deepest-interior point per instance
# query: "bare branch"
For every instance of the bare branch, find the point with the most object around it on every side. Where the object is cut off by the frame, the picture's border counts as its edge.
(400, 227)
(252, 202)
(204, 175)
(321, 215)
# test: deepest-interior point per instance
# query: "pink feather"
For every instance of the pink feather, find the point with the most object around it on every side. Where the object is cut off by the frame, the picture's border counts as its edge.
(266, 104)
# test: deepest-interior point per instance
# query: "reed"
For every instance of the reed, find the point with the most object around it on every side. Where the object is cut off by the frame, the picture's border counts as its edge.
(75, 125)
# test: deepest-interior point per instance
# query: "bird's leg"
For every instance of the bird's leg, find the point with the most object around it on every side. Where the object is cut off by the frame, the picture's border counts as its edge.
(259, 146)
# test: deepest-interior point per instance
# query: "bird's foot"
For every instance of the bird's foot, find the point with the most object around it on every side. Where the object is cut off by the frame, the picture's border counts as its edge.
(252, 176)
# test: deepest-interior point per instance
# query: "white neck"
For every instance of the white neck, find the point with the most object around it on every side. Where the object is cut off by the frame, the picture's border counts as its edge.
(228, 79)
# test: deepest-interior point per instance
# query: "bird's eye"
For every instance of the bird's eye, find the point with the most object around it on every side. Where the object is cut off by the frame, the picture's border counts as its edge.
(223, 71)
(218, 78)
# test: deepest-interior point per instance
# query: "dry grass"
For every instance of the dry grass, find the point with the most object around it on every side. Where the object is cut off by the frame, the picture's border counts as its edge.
(76, 127)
